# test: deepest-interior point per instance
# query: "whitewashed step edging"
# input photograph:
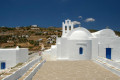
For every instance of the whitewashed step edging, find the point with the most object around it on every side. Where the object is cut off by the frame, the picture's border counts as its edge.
(30, 76)
(19, 73)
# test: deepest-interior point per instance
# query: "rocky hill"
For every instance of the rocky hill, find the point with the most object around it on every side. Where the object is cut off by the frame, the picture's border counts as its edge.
(33, 37)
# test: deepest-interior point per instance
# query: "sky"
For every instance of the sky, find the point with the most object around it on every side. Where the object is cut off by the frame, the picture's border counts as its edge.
(92, 14)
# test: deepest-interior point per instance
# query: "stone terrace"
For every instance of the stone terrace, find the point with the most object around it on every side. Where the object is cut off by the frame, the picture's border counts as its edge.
(73, 70)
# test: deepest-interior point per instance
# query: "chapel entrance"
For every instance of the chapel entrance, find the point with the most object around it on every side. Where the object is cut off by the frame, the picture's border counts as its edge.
(108, 53)
(3, 65)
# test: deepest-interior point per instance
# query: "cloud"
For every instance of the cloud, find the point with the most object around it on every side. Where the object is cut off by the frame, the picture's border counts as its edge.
(76, 22)
(90, 20)
(80, 17)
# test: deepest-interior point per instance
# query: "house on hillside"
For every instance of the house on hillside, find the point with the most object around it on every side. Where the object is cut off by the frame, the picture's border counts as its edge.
(35, 27)
(50, 40)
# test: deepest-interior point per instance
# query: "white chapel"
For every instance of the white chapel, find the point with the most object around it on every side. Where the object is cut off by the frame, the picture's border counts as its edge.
(79, 44)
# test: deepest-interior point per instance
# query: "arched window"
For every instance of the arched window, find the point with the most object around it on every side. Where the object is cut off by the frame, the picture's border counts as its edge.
(65, 27)
(81, 50)
(69, 27)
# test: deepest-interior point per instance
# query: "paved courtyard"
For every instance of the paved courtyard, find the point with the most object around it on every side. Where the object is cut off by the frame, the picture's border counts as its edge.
(73, 70)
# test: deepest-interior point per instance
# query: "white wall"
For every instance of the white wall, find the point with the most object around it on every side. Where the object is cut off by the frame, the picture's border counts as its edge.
(8, 56)
(64, 48)
(94, 49)
(69, 49)
(113, 43)
(21, 55)
(58, 51)
(13, 56)
(73, 50)
(54, 50)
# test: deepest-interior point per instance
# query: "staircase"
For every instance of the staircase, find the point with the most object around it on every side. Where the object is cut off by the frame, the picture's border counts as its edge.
(109, 64)
(27, 75)
(27, 71)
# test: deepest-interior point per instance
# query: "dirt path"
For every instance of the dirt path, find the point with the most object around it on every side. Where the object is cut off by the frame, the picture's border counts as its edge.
(73, 70)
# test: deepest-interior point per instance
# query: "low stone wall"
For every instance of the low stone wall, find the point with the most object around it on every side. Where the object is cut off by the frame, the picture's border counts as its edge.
(29, 77)
(110, 62)
(17, 74)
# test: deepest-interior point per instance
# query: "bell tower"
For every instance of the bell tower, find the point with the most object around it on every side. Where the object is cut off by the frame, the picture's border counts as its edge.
(67, 26)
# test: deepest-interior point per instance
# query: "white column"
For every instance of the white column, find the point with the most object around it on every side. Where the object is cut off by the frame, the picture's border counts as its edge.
(67, 28)
(72, 27)
(63, 28)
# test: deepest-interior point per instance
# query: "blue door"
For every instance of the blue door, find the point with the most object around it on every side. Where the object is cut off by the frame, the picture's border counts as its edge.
(108, 53)
(3, 65)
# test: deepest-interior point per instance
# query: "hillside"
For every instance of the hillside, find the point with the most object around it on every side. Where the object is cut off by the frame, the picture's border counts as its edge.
(34, 38)
(30, 37)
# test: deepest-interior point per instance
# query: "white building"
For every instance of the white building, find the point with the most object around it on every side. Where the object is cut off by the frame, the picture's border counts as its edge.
(79, 44)
(34, 27)
(11, 57)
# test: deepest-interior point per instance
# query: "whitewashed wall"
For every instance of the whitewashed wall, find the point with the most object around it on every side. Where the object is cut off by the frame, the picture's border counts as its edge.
(73, 50)
(94, 49)
(13, 56)
(8, 56)
(54, 50)
(114, 44)
(21, 55)
(64, 48)
(69, 49)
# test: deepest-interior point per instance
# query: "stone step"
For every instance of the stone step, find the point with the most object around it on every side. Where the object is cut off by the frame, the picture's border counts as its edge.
(30, 70)
(112, 68)
(109, 65)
